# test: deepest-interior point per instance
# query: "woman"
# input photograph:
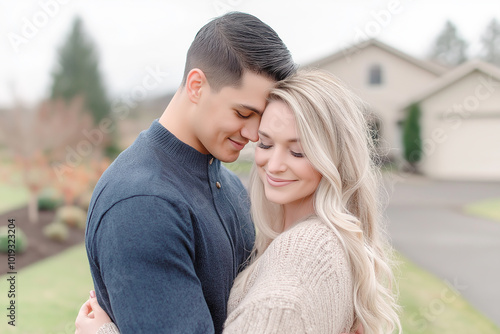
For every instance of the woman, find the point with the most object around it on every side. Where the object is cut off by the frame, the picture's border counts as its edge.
(319, 264)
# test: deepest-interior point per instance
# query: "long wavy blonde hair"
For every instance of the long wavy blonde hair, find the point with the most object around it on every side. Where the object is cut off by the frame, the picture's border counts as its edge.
(335, 138)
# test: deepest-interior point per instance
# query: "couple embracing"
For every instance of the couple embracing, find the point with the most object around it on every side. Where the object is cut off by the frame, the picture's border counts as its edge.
(177, 245)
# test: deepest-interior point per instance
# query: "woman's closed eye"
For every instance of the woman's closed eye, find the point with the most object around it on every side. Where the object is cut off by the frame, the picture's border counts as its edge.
(265, 147)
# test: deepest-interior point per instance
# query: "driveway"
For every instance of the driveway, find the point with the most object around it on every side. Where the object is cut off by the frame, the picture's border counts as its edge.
(427, 225)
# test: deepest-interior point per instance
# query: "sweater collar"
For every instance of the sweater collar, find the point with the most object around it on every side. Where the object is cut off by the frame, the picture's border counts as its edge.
(182, 152)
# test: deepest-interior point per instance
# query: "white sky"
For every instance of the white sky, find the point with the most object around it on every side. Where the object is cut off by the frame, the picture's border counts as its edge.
(132, 36)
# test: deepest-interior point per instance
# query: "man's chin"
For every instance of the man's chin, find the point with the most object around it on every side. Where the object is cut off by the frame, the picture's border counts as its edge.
(229, 158)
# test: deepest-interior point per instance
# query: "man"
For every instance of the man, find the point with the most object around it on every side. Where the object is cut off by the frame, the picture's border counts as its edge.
(168, 226)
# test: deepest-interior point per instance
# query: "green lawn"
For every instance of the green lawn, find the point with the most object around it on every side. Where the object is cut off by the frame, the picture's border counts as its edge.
(489, 209)
(239, 167)
(431, 306)
(51, 292)
(12, 197)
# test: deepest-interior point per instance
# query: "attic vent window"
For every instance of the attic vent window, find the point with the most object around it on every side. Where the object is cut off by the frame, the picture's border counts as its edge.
(375, 75)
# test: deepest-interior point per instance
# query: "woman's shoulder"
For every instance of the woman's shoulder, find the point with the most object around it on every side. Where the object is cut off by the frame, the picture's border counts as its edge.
(309, 233)
(309, 246)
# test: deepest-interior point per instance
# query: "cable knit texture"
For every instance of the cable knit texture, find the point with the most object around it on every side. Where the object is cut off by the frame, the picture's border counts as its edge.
(301, 284)
(109, 328)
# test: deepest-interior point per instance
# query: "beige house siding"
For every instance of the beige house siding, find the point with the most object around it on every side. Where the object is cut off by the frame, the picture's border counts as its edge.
(400, 80)
(461, 129)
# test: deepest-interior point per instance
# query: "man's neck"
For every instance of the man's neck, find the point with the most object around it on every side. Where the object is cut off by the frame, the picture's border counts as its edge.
(176, 119)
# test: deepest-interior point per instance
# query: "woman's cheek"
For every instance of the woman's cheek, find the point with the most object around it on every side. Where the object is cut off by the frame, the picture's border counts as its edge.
(260, 157)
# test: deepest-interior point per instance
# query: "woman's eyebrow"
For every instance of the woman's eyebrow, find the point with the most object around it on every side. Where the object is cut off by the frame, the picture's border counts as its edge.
(294, 140)
(263, 134)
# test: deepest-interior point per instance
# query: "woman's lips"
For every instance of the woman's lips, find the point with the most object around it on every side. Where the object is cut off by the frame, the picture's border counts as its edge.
(275, 182)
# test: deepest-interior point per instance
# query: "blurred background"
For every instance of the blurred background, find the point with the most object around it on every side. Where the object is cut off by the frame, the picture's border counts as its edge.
(80, 79)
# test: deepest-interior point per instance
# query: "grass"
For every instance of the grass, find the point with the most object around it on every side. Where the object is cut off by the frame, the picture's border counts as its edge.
(239, 167)
(51, 292)
(489, 209)
(12, 197)
(432, 306)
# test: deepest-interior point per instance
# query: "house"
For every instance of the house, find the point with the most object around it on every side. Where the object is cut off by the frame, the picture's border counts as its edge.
(460, 107)
(460, 123)
(384, 77)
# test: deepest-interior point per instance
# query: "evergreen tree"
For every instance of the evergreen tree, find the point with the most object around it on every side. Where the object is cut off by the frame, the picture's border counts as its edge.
(491, 43)
(411, 136)
(449, 48)
(78, 73)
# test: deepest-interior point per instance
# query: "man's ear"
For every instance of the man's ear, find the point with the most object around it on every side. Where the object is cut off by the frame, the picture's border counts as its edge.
(196, 84)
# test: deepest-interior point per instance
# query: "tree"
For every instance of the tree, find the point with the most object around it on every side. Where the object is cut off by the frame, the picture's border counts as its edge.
(449, 48)
(78, 73)
(37, 137)
(491, 43)
(411, 136)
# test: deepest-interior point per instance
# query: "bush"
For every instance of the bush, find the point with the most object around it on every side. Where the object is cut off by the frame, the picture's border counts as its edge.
(21, 240)
(73, 216)
(49, 200)
(56, 231)
(411, 136)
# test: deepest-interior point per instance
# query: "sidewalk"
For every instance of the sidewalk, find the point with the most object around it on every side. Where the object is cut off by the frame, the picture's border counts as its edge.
(426, 224)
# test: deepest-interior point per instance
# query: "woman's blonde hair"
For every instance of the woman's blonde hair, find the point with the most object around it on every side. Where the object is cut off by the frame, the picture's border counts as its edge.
(335, 138)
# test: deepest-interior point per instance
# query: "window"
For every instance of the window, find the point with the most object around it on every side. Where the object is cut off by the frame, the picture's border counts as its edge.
(375, 75)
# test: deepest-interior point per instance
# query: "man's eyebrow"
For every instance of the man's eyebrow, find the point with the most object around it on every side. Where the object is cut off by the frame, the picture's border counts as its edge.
(294, 140)
(255, 110)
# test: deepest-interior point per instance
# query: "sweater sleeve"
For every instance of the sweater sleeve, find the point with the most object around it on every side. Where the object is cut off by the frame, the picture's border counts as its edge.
(143, 250)
(109, 328)
(302, 285)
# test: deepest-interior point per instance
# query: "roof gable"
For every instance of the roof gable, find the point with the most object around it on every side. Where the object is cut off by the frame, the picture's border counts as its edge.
(456, 75)
(355, 49)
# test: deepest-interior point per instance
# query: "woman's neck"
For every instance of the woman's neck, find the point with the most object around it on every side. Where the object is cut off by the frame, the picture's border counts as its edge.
(296, 211)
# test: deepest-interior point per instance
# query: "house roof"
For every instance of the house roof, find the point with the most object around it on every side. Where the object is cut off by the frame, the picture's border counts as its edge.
(455, 75)
(430, 67)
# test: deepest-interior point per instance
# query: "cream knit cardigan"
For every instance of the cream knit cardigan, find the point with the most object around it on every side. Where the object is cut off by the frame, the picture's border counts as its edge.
(301, 284)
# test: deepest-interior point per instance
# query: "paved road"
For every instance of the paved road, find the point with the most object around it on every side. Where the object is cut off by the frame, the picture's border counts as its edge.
(427, 225)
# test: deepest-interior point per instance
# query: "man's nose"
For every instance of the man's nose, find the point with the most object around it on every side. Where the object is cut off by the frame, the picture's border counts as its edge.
(251, 129)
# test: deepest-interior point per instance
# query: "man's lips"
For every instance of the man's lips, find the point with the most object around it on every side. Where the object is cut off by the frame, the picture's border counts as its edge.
(237, 144)
(276, 182)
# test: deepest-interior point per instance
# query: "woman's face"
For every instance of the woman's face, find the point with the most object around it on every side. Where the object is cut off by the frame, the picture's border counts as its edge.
(287, 175)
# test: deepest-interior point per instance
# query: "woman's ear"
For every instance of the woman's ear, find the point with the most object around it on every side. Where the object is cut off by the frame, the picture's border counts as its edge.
(196, 83)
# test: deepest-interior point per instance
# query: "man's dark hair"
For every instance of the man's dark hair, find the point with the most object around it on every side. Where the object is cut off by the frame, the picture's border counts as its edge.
(230, 44)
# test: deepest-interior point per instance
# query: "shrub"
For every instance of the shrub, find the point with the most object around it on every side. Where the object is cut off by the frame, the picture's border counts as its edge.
(49, 200)
(21, 240)
(73, 216)
(56, 231)
(411, 136)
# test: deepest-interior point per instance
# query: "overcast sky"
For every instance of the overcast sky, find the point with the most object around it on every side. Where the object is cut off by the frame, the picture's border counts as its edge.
(137, 37)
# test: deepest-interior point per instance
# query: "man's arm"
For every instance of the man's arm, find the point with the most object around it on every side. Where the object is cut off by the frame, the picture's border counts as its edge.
(144, 249)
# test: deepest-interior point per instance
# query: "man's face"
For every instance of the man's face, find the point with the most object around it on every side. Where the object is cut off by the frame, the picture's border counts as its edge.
(226, 120)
